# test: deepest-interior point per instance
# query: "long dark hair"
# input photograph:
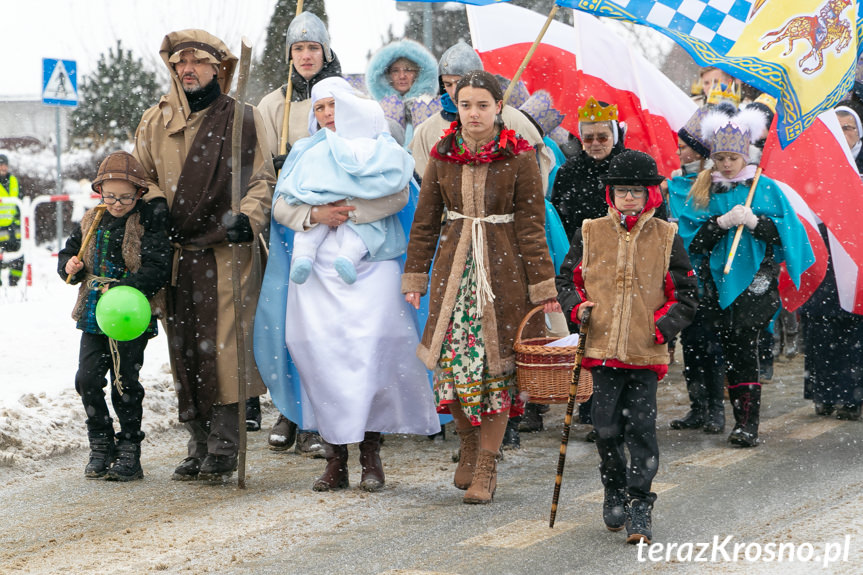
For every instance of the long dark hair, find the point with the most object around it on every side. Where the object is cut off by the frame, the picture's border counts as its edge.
(475, 79)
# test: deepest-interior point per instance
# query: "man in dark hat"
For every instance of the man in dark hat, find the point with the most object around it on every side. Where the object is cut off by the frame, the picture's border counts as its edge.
(10, 224)
(184, 145)
(640, 298)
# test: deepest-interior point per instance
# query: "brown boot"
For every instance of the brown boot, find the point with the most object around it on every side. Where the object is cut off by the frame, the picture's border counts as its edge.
(370, 460)
(467, 457)
(336, 473)
(484, 478)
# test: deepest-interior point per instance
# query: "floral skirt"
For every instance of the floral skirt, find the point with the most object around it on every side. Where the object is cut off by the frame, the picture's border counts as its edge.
(461, 377)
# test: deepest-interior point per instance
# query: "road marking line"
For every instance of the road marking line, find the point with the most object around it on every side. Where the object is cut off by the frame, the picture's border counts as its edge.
(782, 422)
(598, 496)
(520, 534)
(814, 429)
(716, 458)
(413, 572)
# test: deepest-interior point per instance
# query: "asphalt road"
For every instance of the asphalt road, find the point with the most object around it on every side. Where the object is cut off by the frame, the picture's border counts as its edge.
(797, 496)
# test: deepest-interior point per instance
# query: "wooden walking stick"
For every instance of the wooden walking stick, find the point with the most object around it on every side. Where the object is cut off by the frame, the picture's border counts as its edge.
(236, 193)
(283, 141)
(570, 407)
(100, 211)
(739, 231)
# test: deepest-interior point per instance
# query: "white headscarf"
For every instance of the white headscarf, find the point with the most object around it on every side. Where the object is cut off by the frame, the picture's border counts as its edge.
(859, 145)
(326, 88)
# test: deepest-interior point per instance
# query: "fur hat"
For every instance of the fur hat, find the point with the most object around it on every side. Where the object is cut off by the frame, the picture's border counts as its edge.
(458, 60)
(632, 167)
(540, 107)
(120, 166)
(307, 27)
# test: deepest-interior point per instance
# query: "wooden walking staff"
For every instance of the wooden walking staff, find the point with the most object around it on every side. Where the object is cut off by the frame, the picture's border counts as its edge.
(739, 231)
(529, 55)
(570, 407)
(100, 211)
(236, 193)
(283, 141)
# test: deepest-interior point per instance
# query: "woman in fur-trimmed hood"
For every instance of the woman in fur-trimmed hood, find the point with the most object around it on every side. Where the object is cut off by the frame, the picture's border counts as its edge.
(401, 76)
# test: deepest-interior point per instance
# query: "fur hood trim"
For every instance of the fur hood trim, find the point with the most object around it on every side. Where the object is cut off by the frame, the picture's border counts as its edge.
(427, 80)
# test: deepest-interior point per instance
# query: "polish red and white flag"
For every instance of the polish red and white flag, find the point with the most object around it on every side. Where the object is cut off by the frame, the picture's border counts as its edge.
(820, 179)
(587, 59)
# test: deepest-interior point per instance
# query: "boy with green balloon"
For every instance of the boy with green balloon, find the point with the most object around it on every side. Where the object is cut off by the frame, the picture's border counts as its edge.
(121, 258)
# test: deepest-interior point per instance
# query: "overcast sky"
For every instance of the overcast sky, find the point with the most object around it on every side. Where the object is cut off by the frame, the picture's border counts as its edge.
(81, 30)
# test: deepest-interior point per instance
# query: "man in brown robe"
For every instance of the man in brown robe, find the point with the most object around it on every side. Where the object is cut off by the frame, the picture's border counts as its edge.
(184, 144)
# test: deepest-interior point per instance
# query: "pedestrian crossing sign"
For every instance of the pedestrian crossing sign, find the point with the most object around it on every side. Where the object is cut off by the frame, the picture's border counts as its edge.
(59, 82)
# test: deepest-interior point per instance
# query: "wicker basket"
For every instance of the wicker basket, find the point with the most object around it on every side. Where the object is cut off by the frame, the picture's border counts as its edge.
(545, 373)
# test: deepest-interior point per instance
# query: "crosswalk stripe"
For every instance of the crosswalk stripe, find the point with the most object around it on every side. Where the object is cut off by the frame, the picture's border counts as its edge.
(598, 496)
(716, 458)
(814, 429)
(520, 534)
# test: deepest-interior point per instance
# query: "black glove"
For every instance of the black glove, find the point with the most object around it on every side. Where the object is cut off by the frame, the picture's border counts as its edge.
(279, 161)
(239, 229)
(159, 209)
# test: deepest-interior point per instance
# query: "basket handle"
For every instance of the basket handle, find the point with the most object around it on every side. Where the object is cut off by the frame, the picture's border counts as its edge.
(527, 317)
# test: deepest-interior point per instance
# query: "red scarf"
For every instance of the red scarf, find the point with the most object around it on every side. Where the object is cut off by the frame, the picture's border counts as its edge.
(490, 152)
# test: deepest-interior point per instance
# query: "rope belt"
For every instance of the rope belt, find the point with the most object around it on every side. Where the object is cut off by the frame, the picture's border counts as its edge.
(480, 274)
(96, 283)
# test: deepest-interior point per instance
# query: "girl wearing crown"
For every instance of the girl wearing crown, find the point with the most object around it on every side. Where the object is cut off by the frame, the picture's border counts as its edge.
(743, 301)
(490, 267)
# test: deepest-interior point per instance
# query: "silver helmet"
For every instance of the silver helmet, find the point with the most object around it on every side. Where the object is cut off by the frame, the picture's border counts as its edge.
(458, 60)
(308, 28)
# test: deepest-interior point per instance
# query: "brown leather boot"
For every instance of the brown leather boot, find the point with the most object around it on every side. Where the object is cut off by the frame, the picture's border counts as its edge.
(467, 457)
(336, 473)
(370, 460)
(484, 478)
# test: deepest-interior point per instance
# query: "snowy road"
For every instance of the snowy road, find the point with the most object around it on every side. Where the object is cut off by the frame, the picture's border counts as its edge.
(803, 488)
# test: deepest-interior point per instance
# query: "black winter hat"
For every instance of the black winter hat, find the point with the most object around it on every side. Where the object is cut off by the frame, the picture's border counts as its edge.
(632, 167)
(4, 159)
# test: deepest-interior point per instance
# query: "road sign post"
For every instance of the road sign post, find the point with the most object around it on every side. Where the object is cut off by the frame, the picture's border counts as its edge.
(59, 88)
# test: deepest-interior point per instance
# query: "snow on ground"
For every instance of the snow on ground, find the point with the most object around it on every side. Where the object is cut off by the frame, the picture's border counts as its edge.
(40, 413)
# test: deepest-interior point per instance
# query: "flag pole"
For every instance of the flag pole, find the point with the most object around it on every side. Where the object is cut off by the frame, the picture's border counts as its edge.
(289, 90)
(529, 55)
(739, 231)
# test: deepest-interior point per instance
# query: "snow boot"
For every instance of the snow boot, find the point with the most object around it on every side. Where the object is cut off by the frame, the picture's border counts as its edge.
(187, 470)
(217, 467)
(638, 522)
(370, 460)
(101, 454)
(614, 508)
(714, 419)
(127, 466)
(310, 444)
(283, 434)
(253, 414)
(484, 482)
(695, 376)
(692, 420)
(467, 457)
(746, 401)
(336, 473)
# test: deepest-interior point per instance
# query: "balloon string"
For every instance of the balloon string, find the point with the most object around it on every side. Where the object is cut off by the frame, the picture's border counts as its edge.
(115, 358)
(96, 282)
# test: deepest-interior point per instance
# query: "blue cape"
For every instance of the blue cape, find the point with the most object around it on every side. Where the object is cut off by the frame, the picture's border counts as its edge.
(769, 201)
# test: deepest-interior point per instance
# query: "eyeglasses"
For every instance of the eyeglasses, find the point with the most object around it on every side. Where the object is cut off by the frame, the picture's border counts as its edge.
(400, 70)
(124, 200)
(637, 193)
(601, 138)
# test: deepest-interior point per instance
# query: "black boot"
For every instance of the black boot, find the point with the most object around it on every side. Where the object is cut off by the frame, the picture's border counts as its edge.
(638, 522)
(714, 420)
(746, 401)
(693, 420)
(511, 438)
(217, 467)
(370, 460)
(614, 508)
(695, 384)
(101, 454)
(127, 466)
(532, 419)
(253, 414)
(336, 473)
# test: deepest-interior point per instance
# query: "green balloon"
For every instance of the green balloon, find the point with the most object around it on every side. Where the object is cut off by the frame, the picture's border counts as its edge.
(123, 313)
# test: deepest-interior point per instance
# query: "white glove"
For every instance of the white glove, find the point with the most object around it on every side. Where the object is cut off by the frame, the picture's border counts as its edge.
(732, 218)
(750, 220)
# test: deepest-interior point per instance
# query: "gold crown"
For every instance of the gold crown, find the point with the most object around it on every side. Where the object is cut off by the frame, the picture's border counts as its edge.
(593, 112)
(724, 92)
(767, 100)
